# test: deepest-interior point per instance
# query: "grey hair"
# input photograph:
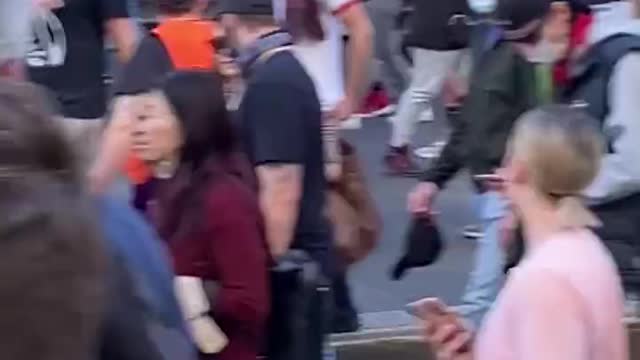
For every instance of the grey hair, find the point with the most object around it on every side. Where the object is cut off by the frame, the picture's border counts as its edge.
(562, 148)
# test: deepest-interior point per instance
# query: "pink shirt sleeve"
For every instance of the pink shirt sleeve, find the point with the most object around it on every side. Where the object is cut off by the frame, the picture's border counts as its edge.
(552, 319)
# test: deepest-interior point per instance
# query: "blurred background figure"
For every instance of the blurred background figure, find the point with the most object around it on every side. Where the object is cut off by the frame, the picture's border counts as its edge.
(53, 290)
(66, 54)
(438, 34)
(206, 204)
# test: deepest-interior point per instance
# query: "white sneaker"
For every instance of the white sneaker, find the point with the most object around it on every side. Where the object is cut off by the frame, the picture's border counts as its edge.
(352, 123)
(385, 111)
(426, 116)
(431, 151)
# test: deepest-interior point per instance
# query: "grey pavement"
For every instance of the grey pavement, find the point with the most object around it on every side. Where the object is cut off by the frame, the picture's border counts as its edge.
(375, 294)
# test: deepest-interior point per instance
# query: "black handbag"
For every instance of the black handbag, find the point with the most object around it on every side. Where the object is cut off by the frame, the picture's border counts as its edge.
(300, 300)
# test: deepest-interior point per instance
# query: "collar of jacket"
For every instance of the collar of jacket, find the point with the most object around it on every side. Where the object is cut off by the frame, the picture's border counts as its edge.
(247, 57)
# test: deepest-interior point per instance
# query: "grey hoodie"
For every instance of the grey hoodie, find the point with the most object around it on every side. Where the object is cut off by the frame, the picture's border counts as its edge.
(14, 28)
(620, 172)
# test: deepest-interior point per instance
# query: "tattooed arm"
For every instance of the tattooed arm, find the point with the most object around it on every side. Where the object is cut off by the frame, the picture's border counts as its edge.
(281, 191)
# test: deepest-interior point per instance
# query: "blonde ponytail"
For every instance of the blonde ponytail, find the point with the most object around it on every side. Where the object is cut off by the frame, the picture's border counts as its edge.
(572, 213)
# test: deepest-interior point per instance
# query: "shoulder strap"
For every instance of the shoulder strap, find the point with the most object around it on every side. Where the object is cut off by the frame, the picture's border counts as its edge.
(610, 51)
(267, 55)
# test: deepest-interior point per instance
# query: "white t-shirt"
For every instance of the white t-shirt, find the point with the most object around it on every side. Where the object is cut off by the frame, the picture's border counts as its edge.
(324, 60)
(14, 28)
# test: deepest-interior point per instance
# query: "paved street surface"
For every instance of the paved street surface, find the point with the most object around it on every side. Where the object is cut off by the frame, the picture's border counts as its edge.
(374, 292)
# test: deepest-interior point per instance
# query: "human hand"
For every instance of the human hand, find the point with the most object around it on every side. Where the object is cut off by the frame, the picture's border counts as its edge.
(420, 200)
(343, 110)
(508, 226)
(446, 332)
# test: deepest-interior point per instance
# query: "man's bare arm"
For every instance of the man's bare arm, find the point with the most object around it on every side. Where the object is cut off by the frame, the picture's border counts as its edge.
(124, 35)
(359, 49)
(280, 195)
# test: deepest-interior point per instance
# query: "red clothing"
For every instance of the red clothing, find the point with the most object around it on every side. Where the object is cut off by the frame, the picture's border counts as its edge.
(230, 250)
(578, 39)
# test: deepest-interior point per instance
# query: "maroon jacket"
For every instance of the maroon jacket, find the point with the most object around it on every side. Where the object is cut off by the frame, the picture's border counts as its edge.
(228, 248)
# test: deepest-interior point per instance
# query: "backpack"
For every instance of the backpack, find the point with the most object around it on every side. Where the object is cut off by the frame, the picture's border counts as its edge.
(589, 87)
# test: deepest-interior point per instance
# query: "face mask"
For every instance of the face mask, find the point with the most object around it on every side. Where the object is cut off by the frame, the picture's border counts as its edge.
(483, 6)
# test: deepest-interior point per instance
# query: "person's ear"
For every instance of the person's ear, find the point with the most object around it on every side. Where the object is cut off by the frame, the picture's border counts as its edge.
(518, 173)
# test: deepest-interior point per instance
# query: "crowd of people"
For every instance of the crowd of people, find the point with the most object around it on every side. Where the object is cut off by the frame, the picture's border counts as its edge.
(154, 219)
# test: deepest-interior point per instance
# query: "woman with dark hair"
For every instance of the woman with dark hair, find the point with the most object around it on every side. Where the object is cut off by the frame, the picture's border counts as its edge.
(206, 204)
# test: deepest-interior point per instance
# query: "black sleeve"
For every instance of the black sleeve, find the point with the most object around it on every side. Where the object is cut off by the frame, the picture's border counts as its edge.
(274, 117)
(451, 160)
(149, 65)
(114, 9)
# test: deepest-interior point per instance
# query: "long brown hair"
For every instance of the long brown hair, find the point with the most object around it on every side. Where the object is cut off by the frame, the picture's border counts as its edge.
(303, 20)
(210, 151)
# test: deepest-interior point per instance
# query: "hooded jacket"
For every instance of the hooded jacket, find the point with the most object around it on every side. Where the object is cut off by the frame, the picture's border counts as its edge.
(619, 175)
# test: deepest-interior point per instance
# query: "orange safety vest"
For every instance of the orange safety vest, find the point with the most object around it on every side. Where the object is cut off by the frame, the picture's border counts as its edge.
(190, 46)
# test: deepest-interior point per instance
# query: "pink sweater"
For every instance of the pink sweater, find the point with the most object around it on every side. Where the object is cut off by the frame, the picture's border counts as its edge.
(564, 302)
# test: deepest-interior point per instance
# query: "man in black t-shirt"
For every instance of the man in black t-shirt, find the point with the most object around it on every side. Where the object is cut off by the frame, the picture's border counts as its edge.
(281, 124)
(67, 55)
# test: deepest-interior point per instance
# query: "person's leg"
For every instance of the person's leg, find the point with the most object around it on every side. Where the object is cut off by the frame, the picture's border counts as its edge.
(427, 78)
(345, 316)
(487, 275)
(386, 41)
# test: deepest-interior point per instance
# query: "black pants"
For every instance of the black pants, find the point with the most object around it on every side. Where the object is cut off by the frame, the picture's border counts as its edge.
(621, 235)
(300, 302)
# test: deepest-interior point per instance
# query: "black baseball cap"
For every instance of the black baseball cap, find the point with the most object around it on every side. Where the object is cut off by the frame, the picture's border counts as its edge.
(245, 7)
(522, 18)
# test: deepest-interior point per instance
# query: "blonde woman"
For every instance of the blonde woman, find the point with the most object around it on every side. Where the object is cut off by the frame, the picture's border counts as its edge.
(564, 301)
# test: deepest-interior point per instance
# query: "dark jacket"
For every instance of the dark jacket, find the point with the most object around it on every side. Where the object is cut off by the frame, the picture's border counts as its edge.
(430, 26)
(226, 246)
(499, 94)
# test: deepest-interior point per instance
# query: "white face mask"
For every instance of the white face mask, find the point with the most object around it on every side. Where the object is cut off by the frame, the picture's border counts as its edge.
(483, 6)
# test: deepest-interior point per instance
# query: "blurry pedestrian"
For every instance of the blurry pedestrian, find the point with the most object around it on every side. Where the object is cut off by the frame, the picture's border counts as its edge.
(516, 77)
(437, 36)
(53, 265)
(603, 82)
(182, 40)
(66, 55)
(281, 121)
(318, 28)
(207, 204)
(553, 155)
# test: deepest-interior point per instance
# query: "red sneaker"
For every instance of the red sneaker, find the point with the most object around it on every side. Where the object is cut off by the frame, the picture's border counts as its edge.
(399, 163)
(376, 104)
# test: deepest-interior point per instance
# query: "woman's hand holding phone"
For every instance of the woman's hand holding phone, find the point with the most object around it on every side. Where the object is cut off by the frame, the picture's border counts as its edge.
(445, 331)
